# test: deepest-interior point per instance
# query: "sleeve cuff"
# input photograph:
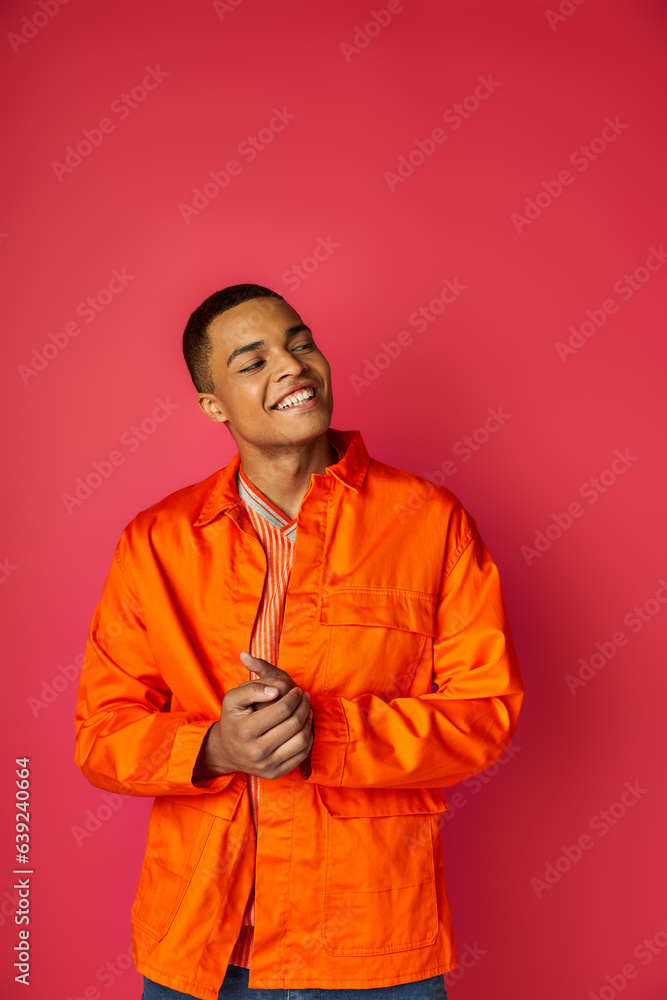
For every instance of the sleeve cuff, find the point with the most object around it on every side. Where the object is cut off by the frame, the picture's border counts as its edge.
(324, 764)
(184, 753)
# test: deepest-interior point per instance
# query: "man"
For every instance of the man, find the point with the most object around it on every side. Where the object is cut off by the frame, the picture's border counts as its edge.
(294, 838)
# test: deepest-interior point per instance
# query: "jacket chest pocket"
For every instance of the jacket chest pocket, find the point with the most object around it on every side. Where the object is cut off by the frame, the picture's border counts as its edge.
(375, 638)
(380, 892)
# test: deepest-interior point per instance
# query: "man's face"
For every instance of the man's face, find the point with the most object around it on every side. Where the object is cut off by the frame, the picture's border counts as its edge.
(262, 351)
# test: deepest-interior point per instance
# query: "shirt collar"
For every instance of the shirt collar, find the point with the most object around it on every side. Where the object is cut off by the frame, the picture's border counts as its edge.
(261, 504)
(350, 471)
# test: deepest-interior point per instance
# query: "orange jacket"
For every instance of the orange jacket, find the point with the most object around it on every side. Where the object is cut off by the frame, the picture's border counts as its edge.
(391, 589)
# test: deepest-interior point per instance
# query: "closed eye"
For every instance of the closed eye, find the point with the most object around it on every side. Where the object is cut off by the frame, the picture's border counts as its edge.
(298, 346)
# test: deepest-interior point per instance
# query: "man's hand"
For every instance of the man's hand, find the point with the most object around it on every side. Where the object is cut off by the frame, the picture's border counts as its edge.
(267, 746)
(269, 674)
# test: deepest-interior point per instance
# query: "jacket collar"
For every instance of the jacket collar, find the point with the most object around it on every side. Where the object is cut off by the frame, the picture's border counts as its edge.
(221, 493)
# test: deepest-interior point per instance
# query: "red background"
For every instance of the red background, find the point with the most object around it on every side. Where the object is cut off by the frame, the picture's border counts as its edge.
(557, 78)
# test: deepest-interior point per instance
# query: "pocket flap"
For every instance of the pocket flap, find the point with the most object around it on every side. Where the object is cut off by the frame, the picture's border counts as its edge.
(161, 895)
(409, 610)
(380, 801)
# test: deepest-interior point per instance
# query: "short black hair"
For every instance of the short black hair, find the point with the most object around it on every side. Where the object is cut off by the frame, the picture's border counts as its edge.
(197, 347)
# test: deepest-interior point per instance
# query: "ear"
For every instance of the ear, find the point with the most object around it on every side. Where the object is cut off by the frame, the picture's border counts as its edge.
(212, 407)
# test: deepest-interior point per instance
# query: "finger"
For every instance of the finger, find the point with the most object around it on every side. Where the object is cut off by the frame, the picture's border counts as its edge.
(290, 754)
(246, 695)
(278, 721)
(283, 687)
(282, 682)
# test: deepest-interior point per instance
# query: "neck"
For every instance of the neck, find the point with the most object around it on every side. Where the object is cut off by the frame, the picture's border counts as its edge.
(282, 472)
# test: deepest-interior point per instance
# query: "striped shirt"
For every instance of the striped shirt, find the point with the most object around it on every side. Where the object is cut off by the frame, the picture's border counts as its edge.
(277, 534)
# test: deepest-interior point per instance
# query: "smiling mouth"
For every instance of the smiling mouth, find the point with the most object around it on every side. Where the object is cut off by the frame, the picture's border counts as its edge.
(301, 400)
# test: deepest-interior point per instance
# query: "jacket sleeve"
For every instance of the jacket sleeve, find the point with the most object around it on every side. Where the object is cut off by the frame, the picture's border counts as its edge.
(127, 740)
(437, 739)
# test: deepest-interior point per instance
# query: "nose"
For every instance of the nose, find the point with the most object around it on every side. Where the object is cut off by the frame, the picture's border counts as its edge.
(289, 364)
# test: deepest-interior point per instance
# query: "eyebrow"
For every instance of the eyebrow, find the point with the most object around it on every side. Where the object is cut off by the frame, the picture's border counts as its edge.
(291, 331)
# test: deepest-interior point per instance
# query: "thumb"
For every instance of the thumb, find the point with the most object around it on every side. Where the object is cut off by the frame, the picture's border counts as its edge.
(256, 663)
(258, 666)
(248, 696)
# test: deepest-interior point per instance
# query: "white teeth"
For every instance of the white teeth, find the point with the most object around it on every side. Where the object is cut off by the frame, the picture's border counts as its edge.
(296, 398)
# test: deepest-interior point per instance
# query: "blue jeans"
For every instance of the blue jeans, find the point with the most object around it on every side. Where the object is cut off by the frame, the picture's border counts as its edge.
(235, 987)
